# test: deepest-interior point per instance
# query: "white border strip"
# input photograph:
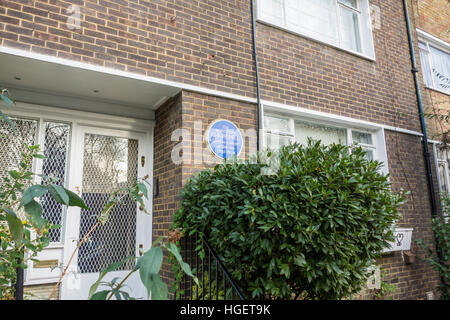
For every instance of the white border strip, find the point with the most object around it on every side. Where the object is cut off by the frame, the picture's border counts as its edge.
(28, 110)
(330, 117)
(434, 40)
(196, 89)
(120, 73)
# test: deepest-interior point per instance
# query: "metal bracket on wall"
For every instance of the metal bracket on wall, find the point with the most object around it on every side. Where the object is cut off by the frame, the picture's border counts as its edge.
(155, 187)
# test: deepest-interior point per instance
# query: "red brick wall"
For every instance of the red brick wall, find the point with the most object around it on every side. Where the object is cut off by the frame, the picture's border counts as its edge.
(180, 113)
(433, 16)
(185, 41)
(199, 107)
(211, 46)
(407, 170)
(168, 118)
(298, 71)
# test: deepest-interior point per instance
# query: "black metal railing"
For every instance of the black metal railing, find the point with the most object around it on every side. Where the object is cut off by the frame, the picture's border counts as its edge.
(215, 282)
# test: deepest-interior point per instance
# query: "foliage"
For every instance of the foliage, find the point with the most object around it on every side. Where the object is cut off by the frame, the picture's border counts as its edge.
(202, 290)
(148, 265)
(22, 239)
(311, 229)
(441, 229)
(386, 288)
(136, 192)
(5, 97)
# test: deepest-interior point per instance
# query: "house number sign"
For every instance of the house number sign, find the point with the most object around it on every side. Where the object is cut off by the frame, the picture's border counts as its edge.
(402, 240)
(224, 139)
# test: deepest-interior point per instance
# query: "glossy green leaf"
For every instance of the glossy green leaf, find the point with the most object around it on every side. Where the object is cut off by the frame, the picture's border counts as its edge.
(143, 188)
(75, 200)
(35, 191)
(34, 210)
(15, 226)
(104, 272)
(101, 295)
(150, 264)
(58, 194)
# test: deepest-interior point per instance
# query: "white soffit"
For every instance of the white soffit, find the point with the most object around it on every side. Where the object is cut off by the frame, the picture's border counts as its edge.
(68, 86)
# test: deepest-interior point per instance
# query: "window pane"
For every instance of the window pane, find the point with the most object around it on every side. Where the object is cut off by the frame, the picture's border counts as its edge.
(12, 144)
(425, 63)
(277, 124)
(369, 154)
(109, 164)
(440, 69)
(272, 11)
(443, 187)
(443, 153)
(350, 30)
(316, 19)
(362, 137)
(275, 141)
(351, 3)
(56, 154)
(327, 135)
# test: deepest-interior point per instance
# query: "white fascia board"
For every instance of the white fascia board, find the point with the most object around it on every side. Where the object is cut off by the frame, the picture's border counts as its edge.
(435, 41)
(292, 109)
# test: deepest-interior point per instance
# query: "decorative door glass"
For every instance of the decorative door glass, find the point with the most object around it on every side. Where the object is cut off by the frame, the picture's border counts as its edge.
(109, 164)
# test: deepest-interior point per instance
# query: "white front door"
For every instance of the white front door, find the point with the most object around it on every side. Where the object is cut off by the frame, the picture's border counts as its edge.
(104, 161)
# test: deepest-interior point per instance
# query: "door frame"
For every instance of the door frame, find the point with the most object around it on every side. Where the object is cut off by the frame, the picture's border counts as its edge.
(72, 225)
(91, 119)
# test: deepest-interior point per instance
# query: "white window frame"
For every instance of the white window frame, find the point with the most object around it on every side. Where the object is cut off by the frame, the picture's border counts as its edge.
(364, 40)
(431, 41)
(349, 131)
(443, 160)
(350, 125)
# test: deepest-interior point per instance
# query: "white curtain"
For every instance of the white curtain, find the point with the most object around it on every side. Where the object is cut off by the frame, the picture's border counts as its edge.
(315, 18)
(350, 36)
(272, 11)
(327, 135)
(440, 64)
(274, 123)
(424, 61)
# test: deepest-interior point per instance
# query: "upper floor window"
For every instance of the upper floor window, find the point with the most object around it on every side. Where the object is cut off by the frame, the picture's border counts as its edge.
(435, 61)
(341, 23)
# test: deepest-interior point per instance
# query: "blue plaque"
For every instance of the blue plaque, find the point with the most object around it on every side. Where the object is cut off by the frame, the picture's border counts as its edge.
(224, 139)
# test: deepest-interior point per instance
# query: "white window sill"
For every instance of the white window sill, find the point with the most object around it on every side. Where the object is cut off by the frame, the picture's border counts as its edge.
(355, 53)
(437, 90)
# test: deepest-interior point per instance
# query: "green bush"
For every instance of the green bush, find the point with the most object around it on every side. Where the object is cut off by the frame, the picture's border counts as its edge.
(311, 229)
(441, 229)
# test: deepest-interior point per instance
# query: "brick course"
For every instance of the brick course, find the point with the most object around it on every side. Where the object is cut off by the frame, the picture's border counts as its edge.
(210, 45)
(433, 17)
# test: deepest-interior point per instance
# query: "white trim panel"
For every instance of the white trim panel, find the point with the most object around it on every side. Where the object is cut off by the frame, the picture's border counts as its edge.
(196, 89)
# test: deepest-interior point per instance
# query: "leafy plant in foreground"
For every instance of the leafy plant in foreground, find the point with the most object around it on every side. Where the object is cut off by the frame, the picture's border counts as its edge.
(441, 229)
(148, 265)
(310, 229)
(23, 230)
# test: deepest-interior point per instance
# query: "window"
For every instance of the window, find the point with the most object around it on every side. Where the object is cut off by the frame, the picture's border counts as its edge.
(435, 66)
(443, 156)
(55, 141)
(442, 160)
(282, 130)
(340, 23)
